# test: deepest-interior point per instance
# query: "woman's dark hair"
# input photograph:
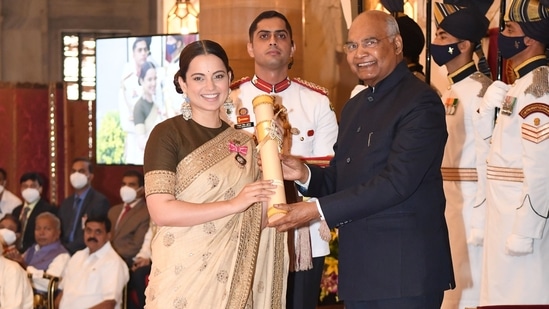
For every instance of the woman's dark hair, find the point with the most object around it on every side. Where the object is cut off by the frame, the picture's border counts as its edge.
(147, 65)
(14, 219)
(197, 48)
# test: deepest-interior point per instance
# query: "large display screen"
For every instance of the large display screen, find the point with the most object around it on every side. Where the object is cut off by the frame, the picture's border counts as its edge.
(135, 91)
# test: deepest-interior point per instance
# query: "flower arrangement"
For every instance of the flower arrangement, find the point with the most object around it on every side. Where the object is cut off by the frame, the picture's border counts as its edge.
(328, 283)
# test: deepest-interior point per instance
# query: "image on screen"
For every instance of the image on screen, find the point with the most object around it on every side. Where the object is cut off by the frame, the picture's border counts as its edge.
(135, 91)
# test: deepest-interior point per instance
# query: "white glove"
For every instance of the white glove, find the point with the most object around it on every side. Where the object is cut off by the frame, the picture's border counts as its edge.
(517, 245)
(476, 237)
(36, 273)
(494, 95)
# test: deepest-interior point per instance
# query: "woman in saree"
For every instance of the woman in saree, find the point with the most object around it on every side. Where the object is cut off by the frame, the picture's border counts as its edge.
(210, 248)
(145, 112)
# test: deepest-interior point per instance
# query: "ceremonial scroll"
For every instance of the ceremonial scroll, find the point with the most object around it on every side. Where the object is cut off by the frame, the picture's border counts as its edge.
(269, 144)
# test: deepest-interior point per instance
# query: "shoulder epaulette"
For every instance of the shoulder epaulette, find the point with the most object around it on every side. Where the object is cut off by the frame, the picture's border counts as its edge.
(236, 84)
(484, 80)
(540, 82)
(311, 86)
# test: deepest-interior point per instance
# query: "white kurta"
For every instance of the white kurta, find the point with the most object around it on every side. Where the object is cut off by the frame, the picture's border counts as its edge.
(464, 156)
(314, 128)
(90, 279)
(15, 287)
(516, 205)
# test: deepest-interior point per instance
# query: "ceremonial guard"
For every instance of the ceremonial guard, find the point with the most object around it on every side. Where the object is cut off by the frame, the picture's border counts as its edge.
(313, 129)
(517, 234)
(459, 31)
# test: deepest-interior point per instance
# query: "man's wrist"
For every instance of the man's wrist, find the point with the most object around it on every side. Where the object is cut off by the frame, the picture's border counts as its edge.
(317, 203)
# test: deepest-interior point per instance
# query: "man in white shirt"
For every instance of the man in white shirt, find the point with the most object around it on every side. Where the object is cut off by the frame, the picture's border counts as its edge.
(15, 288)
(8, 200)
(95, 276)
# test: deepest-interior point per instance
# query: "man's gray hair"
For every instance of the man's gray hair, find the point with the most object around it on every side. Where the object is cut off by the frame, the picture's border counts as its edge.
(51, 216)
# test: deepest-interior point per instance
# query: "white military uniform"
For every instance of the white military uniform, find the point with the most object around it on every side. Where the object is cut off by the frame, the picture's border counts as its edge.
(313, 121)
(518, 193)
(463, 172)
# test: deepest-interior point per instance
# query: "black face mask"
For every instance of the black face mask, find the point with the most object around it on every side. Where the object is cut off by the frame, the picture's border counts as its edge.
(509, 46)
(444, 53)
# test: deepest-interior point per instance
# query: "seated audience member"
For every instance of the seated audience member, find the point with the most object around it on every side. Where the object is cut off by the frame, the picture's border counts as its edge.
(47, 256)
(15, 288)
(8, 200)
(11, 223)
(96, 275)
(130, 222)
(140, 270)
(84, 203)
(31, 189)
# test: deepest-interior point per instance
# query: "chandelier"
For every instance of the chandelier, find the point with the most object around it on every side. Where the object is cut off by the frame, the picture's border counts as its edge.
(183, 18)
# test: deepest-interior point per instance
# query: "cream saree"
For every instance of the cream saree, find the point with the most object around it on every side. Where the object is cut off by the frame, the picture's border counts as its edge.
(226, 263)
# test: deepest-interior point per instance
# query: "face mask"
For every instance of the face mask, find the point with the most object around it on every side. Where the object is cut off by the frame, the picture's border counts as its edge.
(78, 180)
(509, 46)
(128, 194)
(171, 48)
(444, 53)
(30, 195)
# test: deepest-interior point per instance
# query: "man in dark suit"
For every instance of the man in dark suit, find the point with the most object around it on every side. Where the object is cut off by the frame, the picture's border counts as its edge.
(131, 218)
(76, 208)
(130, 221)
(383, 189)
(32, 185)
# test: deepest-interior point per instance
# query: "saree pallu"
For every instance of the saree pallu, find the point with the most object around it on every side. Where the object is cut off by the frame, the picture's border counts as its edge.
(226, 263)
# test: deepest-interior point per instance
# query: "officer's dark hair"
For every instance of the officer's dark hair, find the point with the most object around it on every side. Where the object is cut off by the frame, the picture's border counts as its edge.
(268, 15)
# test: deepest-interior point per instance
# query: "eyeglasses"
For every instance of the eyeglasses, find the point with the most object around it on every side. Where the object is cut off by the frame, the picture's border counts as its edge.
(365, 43)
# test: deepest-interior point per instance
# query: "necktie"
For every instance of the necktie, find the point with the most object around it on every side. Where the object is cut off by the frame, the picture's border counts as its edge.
(23, 217)
(76, 217)
(125, 211)
(23, 220)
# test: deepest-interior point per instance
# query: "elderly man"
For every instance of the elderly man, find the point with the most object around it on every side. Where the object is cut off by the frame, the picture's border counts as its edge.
(95, 276)
(15, 288)
(384, 182)
(47, 256)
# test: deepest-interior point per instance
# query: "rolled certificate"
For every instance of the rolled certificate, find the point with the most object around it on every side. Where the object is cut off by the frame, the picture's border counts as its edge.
(269, 144)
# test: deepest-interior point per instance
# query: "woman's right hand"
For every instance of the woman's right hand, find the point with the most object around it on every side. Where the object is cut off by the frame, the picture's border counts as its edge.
(259, 191)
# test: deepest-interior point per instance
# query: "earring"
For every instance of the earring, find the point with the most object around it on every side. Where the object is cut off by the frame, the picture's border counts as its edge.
(228, 105)
(186, 111)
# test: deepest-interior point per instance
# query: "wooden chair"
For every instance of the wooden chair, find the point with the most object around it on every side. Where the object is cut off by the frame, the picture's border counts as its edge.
(46, 301)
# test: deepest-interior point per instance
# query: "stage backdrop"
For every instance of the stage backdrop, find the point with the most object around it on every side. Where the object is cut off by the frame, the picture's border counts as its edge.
(41, 132)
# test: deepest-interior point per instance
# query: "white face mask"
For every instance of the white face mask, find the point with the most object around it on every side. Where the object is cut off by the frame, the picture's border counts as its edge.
(30, 195)
(128, 194)
(78, 180)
